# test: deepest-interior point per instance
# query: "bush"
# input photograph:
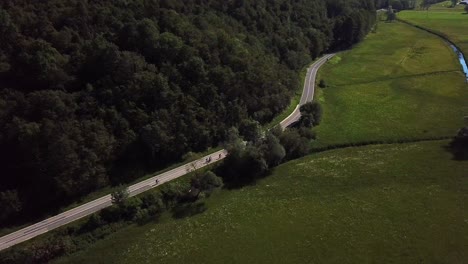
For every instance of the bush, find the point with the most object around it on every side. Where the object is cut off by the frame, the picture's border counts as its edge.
(110, 214)
(311, 114)
(130, 207)
(322, 83)
(295, 144)
(206, 183)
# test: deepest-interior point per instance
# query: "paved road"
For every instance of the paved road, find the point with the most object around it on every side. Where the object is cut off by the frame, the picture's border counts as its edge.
(105, 201)
(307, 92)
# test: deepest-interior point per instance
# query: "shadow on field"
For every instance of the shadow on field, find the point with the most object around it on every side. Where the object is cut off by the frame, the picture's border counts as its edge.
(188, 209)
(459, 145)
(241, 182)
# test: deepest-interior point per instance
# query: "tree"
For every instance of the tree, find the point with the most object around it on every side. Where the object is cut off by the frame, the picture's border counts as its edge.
(41, 64)
(10, 204)
(130, 207)
(426, 4)
(206, 183)
(295, 145)
(311, 114)
(251, 130)
(119, 196)
(454, 2)
(390, 14)
(272, 150)
(322, 83)
(466, 9)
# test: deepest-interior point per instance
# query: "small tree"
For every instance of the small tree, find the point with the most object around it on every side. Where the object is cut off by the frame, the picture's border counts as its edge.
(272, 150)
(466, 9)
(206, 183)
(311, 114)
(120, 195)
(10, 204)
(250, 130)
(295, 144)
(454, 2)
(322, 83)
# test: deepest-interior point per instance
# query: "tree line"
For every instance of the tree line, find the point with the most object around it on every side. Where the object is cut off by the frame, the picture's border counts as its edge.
(94, 93)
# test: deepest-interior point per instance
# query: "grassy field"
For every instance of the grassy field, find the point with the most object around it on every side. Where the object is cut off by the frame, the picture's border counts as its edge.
(450, 22)
(353, 205)
(400, 83)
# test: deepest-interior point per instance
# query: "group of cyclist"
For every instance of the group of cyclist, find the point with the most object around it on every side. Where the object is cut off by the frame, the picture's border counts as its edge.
(207, 160)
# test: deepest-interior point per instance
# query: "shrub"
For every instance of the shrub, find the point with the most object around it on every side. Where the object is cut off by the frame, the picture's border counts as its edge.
(322, 83)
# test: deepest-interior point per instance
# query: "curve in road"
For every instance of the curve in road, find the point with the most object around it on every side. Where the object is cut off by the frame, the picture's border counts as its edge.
(307, 92)
(105, 201)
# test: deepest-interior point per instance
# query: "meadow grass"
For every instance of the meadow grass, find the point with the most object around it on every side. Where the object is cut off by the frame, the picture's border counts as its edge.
(443, 19)
(400, 83)
(379, 204)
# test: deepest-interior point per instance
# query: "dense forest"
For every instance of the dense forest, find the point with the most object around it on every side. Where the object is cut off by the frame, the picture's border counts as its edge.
(98, 92)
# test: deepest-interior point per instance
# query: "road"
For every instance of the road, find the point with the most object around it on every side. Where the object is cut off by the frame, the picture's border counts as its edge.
(105, 201)
(307, 92)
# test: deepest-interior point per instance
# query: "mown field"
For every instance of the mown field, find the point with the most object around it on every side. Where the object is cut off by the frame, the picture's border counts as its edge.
(401, 203)
(450, 22)
(400, 83)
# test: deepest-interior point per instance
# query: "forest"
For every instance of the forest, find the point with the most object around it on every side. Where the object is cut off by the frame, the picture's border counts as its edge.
(99, 92)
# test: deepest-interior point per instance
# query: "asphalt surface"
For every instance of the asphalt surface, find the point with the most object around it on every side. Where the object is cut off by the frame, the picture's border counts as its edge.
(307, 92)
(105, 201)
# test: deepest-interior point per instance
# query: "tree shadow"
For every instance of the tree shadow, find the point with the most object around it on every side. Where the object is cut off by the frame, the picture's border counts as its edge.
(188, 209)
(459, 149)
(239, 183)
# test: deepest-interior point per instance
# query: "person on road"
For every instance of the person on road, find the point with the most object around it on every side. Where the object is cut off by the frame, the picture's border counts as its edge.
(157, 181)
(219, 156)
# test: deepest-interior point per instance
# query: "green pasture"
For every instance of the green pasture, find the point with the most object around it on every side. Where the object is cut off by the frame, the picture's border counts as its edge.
(373, 204)
(443, 19)
(400, 83)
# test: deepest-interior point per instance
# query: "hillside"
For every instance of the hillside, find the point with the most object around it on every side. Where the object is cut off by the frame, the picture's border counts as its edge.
(94, 93)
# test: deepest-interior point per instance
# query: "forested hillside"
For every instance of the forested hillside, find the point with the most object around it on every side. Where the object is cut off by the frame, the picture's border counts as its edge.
(100, 91)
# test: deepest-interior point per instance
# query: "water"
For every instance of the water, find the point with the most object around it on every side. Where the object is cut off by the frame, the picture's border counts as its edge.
(462, 60)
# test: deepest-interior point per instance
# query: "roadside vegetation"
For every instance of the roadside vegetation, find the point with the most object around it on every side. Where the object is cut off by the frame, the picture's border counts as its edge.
(400, 84)
(363, 204)
(253, 153)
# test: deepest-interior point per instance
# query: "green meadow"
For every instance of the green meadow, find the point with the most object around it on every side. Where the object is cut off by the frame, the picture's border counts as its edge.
(443, 19)
(352, 205)
(400, 83)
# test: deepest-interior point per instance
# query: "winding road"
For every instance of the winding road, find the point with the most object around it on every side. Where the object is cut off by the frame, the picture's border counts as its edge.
(307, 92)
(105, 201)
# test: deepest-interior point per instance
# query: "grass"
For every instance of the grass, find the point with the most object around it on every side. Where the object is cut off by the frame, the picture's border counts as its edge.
(400, 83)
(449, 22)
(353, 205)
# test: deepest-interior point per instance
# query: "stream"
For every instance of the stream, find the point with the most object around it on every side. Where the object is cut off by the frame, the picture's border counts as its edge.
(461, 59)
